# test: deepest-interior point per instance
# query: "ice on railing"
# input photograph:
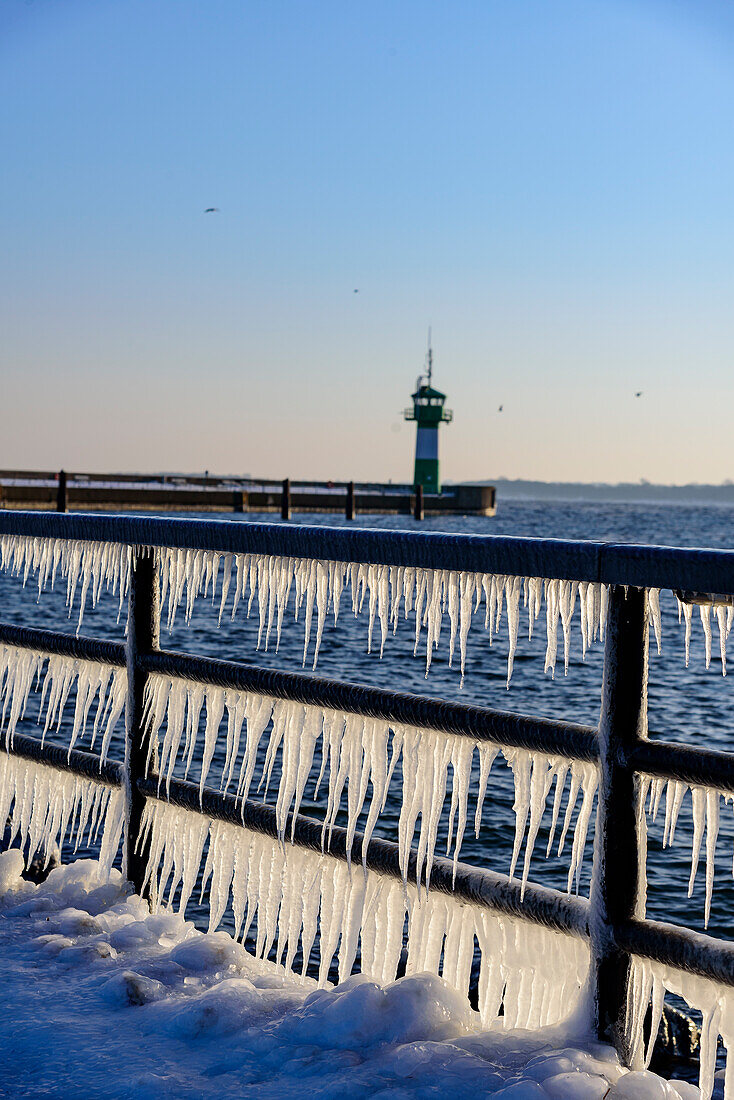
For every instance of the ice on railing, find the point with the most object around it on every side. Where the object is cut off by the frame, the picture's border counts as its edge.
(385, 592)
(21, 670)
(723, 613)
(291, 895)
(44, 806)
(648, 984)
(358, 759)
(88, 568)
(705, 808)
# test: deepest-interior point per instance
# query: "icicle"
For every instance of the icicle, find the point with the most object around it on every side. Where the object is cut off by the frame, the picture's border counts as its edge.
(512, 589)
(552, 612)
(705, 612)
(712, 831)
(654, 601)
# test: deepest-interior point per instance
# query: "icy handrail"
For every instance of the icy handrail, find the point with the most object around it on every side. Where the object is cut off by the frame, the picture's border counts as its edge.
(293, 894)
(318, 587)
(357, 754)
(361, 754)
(46, 806)
(648, 984)
(365, 749)
(20, 668)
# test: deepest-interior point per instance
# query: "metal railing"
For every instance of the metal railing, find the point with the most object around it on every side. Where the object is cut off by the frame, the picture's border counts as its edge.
(613, 920)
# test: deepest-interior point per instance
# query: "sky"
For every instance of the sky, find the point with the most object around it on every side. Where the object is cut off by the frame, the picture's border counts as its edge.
(548, 184)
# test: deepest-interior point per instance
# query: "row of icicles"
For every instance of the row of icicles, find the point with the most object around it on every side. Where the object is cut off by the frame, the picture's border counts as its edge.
(263, 742)
(294, 897)
(385, 593)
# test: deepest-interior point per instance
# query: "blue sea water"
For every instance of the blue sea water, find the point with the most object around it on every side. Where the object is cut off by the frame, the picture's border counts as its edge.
(692, 705)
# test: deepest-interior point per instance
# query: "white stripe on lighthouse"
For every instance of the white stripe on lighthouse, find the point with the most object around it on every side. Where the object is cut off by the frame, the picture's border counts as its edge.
(426, 443)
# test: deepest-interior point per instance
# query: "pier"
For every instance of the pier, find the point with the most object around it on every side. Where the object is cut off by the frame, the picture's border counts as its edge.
(88, 492)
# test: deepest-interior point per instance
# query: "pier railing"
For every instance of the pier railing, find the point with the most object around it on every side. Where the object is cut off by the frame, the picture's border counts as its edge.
(62, 491)
(613, 920)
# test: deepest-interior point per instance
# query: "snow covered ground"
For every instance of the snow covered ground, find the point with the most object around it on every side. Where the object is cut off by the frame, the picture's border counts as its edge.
(101, 999)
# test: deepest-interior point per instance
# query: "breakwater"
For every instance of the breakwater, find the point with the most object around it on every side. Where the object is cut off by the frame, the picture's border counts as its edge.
(62, 491)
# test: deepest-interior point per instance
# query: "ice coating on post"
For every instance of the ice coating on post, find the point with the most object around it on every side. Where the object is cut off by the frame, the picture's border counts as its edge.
(286, 895)
(358, 758)
(46, 806)
(650, 981)
(21, 669)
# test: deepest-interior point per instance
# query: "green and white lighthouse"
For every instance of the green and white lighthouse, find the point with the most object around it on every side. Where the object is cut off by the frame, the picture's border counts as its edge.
(428, 412)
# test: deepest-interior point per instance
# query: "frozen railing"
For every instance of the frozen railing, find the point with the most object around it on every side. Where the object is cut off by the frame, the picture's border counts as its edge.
(299, 876)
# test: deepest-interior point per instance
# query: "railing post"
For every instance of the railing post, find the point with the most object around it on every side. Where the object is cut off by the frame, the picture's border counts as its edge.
(619, 875)
(349, 510)
(418, 509)
(61, 498)
(285, 503)
(143, 636)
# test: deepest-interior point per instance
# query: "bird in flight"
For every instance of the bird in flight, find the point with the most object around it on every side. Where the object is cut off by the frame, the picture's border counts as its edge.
(356, 292)
(500, 408)
(639, 393)
(212, 210)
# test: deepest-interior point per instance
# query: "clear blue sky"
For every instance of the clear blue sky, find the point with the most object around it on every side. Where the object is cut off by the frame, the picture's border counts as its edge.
(548, 183)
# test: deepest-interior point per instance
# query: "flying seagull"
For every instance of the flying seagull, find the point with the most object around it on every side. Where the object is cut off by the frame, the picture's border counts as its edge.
(500, 408)
(356, 292)
(639, 393)
(212, 210)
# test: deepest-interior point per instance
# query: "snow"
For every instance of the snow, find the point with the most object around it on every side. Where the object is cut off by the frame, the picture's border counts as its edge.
(104, 999)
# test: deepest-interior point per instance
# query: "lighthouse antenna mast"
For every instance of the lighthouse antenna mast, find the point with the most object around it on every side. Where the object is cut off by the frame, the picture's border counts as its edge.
(429, 358)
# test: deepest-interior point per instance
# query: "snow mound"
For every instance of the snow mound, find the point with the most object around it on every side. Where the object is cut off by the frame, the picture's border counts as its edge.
(103, 999)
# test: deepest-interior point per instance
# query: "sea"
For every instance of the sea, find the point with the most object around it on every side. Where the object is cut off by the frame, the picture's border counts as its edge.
(692, 705)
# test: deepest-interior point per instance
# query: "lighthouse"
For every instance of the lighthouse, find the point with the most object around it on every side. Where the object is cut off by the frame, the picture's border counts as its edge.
(428, 412)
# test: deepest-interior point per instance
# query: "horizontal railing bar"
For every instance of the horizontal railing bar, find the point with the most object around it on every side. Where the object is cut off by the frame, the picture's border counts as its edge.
(667, 944)
(510, 730)
(540, 905)
(669, 760)
(682, 948)
(84, 764)
(701, 570)
(64, 645)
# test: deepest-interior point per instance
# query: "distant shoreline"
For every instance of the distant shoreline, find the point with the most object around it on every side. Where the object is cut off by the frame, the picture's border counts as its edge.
(622, 493)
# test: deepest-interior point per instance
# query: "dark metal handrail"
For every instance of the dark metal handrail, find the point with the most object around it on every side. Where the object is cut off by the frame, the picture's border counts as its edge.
(609, 563)
(663, 759)
(614, 918)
